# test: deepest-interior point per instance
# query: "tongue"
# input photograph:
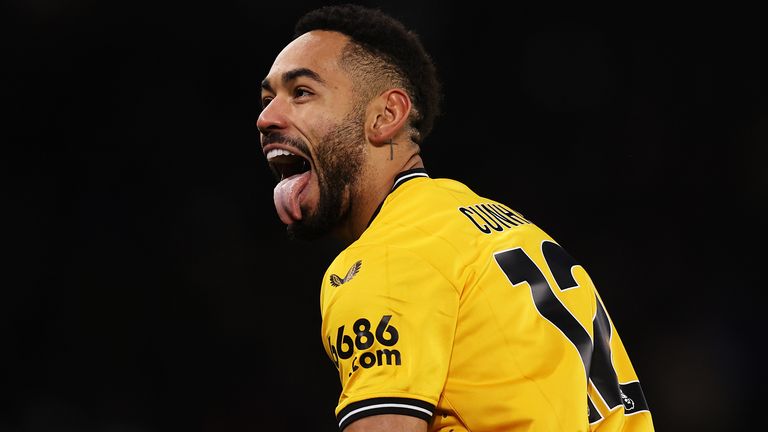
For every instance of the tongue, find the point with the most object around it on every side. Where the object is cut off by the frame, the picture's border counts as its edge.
(287, 197)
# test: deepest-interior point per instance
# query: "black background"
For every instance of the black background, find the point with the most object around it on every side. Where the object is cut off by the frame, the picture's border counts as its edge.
(150, 285)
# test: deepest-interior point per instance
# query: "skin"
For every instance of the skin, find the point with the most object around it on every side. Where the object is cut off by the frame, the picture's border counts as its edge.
(388, 423)
(302, 108)
(310, 106)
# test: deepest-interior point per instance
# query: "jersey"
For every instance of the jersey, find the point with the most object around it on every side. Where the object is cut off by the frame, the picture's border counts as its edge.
(455, 309)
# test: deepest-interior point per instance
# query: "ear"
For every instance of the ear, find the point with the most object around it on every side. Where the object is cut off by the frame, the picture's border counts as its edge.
(388, 115)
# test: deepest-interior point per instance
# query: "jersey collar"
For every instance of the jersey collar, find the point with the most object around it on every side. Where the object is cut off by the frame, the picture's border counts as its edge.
(408, 175)
(399, 180)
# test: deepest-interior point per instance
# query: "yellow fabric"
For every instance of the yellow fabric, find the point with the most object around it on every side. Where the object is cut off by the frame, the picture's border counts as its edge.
(468, 340)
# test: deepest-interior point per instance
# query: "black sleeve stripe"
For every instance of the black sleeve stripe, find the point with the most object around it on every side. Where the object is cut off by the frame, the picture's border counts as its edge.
(389, 405)
(633, 398)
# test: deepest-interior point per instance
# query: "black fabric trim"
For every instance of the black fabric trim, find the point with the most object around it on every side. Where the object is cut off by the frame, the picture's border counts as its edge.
(376, 213)
(396, 185)
(594, 414)
(358, 411)
(406, 173)
(634, 399)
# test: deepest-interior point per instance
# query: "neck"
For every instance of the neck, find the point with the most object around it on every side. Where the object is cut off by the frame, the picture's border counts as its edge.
(376, 184)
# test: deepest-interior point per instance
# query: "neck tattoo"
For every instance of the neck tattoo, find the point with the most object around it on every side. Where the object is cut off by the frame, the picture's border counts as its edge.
(391, 149)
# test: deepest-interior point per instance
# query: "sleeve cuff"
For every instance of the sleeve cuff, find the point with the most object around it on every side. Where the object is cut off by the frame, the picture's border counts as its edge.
(385, 405)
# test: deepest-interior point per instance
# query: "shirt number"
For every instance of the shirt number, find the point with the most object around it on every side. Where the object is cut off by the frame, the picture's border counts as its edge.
(519, 268)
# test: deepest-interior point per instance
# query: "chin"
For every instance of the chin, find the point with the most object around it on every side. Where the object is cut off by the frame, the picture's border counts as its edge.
(301, 230)
(312, 226)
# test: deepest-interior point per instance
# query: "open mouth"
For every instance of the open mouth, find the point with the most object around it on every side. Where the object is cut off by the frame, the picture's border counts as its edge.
(285, 164)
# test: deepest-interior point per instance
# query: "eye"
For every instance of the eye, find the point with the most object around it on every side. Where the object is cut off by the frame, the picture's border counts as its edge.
(265, 101)
(301, 92)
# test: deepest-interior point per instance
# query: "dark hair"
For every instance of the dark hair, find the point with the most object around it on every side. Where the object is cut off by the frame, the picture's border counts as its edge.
(387, 39)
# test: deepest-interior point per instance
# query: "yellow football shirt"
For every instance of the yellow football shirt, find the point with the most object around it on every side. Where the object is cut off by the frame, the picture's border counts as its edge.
(456, 309)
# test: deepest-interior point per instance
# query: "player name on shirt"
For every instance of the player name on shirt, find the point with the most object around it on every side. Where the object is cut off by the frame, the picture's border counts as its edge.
(489, 218)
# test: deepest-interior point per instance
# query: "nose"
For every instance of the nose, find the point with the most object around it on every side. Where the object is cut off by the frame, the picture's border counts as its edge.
(272, 117)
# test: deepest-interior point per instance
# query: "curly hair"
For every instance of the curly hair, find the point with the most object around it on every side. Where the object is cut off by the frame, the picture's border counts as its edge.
(382, 52)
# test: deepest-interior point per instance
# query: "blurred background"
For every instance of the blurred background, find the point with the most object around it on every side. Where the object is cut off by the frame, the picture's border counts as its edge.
(150, 285)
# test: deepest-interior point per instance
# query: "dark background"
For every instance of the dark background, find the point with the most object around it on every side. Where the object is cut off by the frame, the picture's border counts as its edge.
(150, 285)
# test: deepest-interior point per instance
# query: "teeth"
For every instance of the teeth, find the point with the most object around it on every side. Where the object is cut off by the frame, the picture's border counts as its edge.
(278, 152)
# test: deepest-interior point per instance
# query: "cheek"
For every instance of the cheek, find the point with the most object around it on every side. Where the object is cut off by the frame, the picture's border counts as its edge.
(318, 131)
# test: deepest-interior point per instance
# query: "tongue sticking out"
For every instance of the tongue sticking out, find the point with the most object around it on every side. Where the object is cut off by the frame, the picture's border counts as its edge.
(287, 197)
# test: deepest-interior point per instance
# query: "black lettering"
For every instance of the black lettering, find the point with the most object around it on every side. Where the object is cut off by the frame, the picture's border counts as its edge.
(561, 264)
(595, 352)
(388, 354)
(491, 221)
(384, 328)
(510, 214)
(520, 268)
(484, 220)
(364, 338)
(466, 213)
(498, 216)
(334, 355)
(367, 360)
(341, 341)
(602, 374)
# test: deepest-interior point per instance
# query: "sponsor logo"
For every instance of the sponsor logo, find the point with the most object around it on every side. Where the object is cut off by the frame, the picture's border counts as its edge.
(629, 404)
(337, 281)
(359, 346)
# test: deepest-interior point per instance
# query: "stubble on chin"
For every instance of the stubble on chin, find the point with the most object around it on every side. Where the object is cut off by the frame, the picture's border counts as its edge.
(339, 162)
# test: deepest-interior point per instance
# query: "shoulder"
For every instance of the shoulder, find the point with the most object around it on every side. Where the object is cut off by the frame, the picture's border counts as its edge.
(371, 276)
(442, 215)
(440, 205)
(420, 210)
(373, 264)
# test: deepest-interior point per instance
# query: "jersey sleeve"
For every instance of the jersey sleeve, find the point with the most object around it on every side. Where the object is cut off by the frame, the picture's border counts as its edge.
(389, 319)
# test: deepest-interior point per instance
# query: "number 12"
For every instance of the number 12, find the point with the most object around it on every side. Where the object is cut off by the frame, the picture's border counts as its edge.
(519, 268)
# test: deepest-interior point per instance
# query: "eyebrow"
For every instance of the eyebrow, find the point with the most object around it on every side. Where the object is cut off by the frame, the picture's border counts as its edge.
(292, 75)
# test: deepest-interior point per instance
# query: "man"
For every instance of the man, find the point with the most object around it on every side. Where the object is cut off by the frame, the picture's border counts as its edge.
(447, 311)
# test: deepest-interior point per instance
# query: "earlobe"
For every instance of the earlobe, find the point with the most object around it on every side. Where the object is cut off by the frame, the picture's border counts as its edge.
(391, 110)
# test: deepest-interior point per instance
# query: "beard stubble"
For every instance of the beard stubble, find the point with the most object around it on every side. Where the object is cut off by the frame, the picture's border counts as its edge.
(338, 163)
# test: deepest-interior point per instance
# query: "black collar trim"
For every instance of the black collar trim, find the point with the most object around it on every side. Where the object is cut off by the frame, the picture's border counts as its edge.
(408, 175)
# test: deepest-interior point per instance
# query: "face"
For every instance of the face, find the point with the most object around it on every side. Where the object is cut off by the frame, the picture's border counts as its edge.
(312, 134)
